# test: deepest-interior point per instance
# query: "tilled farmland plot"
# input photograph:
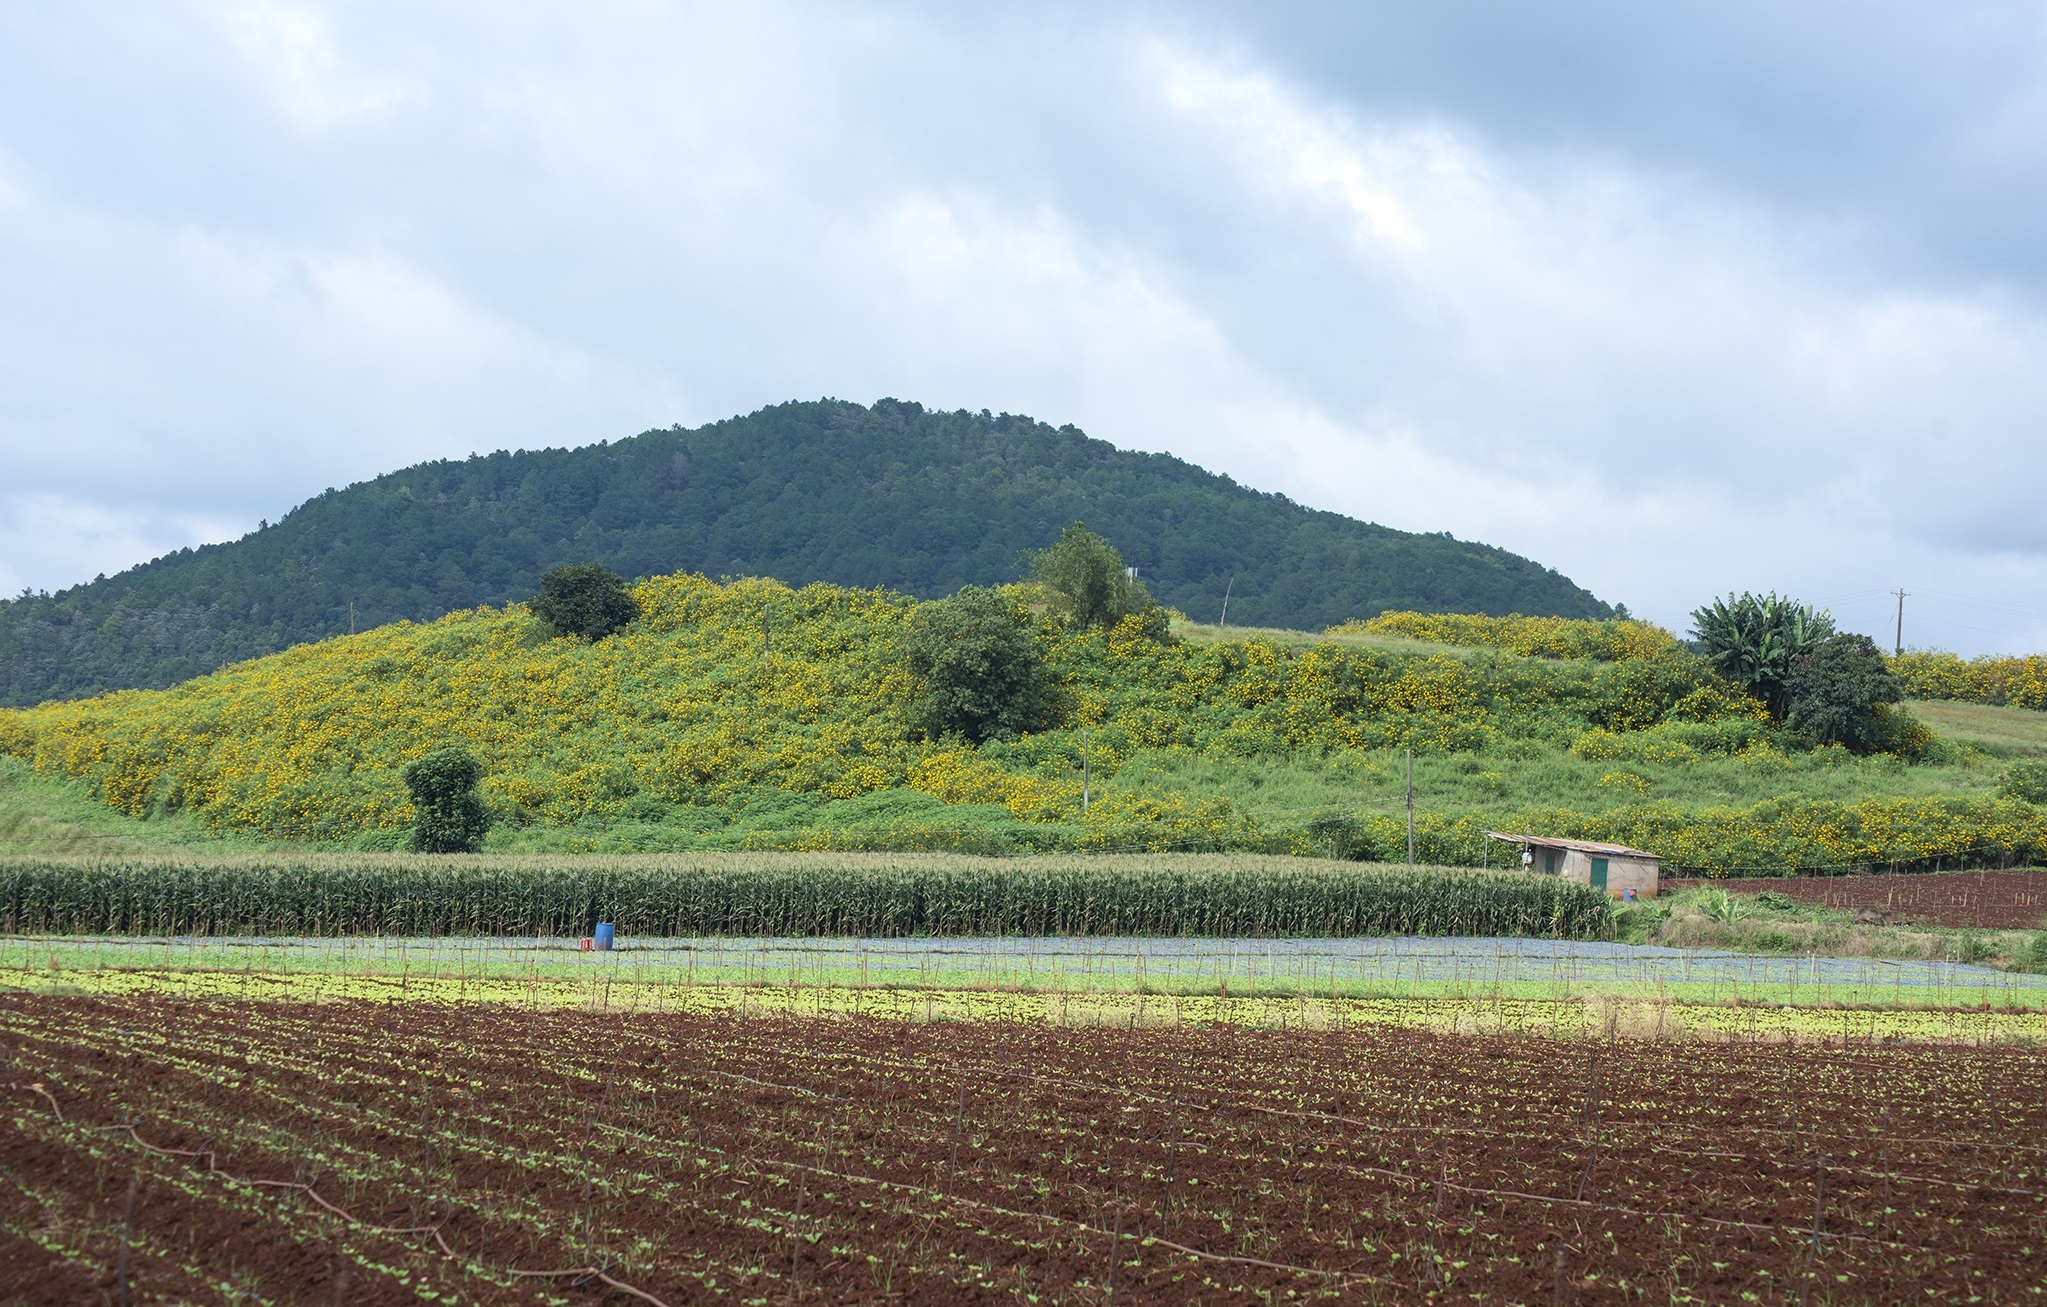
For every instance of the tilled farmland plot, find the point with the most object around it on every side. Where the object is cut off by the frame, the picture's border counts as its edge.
(369, 1153)
(1992, 900)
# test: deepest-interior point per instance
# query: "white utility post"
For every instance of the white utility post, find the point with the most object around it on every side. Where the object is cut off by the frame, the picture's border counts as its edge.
(1083, 771)
(1410, 807)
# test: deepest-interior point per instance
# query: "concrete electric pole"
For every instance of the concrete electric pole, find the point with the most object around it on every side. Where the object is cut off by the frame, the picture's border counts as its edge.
(1410, 807)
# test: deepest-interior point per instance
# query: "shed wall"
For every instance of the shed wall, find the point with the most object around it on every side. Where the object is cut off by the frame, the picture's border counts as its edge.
(1622, 874)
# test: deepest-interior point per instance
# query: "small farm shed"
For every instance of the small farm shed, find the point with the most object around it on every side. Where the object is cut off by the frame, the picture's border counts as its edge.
(1615, 868)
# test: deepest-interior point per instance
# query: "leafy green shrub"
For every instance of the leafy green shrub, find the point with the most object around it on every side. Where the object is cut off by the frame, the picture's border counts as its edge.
(981, 664)
(450, 817)
(2025, 781)
(1838, 691)
(584, 600)
(2035, 956)
(1343, 837)
(1775, 902)
(1901, 735)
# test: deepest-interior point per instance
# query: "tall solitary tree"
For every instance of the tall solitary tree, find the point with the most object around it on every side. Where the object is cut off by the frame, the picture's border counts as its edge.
(449, 818)
(1089, 583)
(980, 663)
(1838, 691)
(583, 600)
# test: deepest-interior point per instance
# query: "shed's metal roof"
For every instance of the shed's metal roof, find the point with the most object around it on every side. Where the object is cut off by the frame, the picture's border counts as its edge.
(1582, 846)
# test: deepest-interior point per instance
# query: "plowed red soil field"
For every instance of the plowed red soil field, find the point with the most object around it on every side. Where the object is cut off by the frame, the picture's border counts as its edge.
(217, 1152)
(1991, 900)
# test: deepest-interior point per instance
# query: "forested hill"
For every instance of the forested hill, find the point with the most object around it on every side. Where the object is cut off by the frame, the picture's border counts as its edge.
(892, 495)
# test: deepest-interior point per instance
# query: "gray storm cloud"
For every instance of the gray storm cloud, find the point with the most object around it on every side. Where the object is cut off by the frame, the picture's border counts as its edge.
(1682, 303)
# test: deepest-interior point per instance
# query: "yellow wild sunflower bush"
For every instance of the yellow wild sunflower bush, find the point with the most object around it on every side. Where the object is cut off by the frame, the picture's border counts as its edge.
(1816, 834)
(720, 692)
(1533, 637)
(717, 689)
(2012, 682)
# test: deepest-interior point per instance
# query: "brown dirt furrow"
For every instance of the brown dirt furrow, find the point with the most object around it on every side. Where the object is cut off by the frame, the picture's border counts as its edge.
(1987, 900)
(700, 1158)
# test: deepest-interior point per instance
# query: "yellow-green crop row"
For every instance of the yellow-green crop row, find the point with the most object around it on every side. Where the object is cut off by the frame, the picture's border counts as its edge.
(1590, 1014)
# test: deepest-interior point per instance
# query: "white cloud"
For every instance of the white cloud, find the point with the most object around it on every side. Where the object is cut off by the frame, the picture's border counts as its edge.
(1314, 148)
(287, 246)
(40, 533)
(294, 49)
(1652, 364)
(193, 377)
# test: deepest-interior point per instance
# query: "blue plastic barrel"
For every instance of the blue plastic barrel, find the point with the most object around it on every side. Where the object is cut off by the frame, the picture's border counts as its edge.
(604, 934)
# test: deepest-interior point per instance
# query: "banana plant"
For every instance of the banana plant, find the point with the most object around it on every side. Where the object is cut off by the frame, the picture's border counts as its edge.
(1753, 640)
(1722, 906)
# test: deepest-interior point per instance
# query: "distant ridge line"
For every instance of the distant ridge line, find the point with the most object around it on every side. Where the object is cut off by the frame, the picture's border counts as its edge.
(891, 495)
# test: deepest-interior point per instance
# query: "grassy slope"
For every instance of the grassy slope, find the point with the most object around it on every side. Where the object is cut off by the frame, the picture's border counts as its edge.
(56, 815)
(681, 736)
(681, 721)
(1999, 732)
(1522, 774)
(1533, 777)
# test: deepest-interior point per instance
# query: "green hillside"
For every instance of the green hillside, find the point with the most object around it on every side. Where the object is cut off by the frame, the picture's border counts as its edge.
(687, 730)
(892, 496)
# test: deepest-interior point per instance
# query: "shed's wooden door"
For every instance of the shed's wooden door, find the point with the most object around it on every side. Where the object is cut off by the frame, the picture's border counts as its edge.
(1599, 873)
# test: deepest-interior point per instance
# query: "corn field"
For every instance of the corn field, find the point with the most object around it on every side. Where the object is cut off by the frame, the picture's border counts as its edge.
(781, 894)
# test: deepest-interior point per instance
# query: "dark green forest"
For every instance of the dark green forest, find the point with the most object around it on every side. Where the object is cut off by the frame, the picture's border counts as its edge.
(894, 495)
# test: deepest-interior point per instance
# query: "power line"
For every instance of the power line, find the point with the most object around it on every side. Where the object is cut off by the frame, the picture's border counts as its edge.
(1980, 602)
(1992, 605)
(1850, 596)
(1980, 630)
(1942, 596)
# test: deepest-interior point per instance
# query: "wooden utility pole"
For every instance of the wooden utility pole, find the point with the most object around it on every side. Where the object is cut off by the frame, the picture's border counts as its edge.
(1410, 807)
(351, 617)
(1899, 648)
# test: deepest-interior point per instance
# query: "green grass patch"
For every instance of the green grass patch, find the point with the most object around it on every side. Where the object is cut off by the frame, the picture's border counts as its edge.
(1765, 923)
(56, 815)
(1999, 732)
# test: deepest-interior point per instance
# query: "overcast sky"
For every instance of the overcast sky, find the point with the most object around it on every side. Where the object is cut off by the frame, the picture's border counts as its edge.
(1679, 299)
